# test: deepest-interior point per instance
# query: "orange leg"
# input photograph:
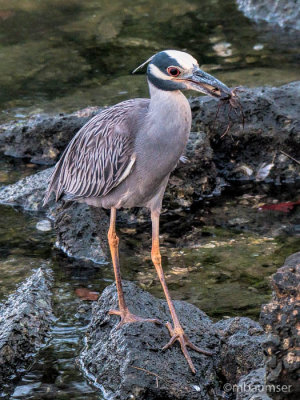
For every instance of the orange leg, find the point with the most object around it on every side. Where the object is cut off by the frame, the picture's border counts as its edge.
(176, 332)
(123, 312)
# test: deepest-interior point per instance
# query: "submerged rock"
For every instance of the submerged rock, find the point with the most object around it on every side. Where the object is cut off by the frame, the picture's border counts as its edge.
(129, 363)
(81, 230)
(280, 319)
(44, 225)
(25, 319)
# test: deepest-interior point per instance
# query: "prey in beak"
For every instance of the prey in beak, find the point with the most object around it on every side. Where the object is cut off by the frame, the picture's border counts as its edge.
(203, 82)
(171, 70)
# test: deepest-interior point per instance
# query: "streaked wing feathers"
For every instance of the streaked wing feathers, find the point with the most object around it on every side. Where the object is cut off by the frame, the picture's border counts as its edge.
(98, 158)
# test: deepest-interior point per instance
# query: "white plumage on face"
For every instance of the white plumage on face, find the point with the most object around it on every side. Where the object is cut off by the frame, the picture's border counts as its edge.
(178, 59)
(172, 70)
(167, 67)
(185, 60)
(158, 73)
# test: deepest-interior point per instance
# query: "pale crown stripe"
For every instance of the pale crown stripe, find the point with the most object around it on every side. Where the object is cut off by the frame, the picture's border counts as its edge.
(183, 59)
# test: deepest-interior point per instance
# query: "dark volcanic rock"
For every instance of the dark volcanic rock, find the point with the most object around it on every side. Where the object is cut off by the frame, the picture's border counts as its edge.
(252, 154)
(280, 319)
(129, 362)
(252, 386)
(241, 349)
(42, 138)
(25, 318)
(82, 231)
(255, 152)
(195, 177)
(27, 193)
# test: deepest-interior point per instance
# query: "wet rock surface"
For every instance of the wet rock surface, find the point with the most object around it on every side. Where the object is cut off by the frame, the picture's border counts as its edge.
(82, 231)
(25, 319)
(27, 193)
(129, 361)
(42, 138)
(241, 349)
(283, 13)
(280, 319)
(254, 153)
(259, 152)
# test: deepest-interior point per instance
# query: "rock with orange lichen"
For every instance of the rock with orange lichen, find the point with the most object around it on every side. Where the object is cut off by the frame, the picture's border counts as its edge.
(281, 321)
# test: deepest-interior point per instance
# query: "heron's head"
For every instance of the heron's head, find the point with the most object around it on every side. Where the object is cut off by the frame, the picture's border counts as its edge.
(176, 70)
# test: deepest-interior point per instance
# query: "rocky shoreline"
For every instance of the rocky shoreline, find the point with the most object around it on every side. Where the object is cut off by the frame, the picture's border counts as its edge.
(25, 321)
(264, 151)
(130, 363)
(281, 13)
(247, 360)
(258, 150)
(280, 320)
(245, 352)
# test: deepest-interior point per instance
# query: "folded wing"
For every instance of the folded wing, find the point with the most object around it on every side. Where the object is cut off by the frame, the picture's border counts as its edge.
(98, 158)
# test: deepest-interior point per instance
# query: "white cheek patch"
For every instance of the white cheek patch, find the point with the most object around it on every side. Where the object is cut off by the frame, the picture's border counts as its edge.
(184, 59)
(155, 71)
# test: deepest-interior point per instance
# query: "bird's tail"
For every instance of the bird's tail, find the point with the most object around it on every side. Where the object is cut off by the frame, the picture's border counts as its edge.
(53, 185)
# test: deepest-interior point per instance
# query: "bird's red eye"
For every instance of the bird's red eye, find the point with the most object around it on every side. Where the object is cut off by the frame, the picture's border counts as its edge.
(173, 71)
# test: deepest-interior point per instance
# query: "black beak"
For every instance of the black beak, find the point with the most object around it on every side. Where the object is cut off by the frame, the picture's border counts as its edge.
(208, 84)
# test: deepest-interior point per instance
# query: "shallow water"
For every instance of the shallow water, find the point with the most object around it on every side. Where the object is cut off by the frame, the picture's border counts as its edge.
(224, 271)
(60, 56)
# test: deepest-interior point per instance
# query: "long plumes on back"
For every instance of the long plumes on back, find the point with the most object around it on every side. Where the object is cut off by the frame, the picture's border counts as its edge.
(97, 157)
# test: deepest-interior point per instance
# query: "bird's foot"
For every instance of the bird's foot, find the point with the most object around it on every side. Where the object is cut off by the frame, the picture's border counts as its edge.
(127, 317)
(177, 333)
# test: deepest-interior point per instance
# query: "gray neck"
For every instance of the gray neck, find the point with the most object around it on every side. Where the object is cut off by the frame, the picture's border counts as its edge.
(166, 128)
(169, 109)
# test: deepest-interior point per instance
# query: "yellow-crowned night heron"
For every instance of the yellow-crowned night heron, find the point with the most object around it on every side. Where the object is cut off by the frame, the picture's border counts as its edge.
(123, 157)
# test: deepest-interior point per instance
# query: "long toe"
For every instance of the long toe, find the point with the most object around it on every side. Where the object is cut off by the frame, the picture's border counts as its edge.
(198, 349)
(177, 334)
(186, 354)
(127, 317)
(114, 312)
